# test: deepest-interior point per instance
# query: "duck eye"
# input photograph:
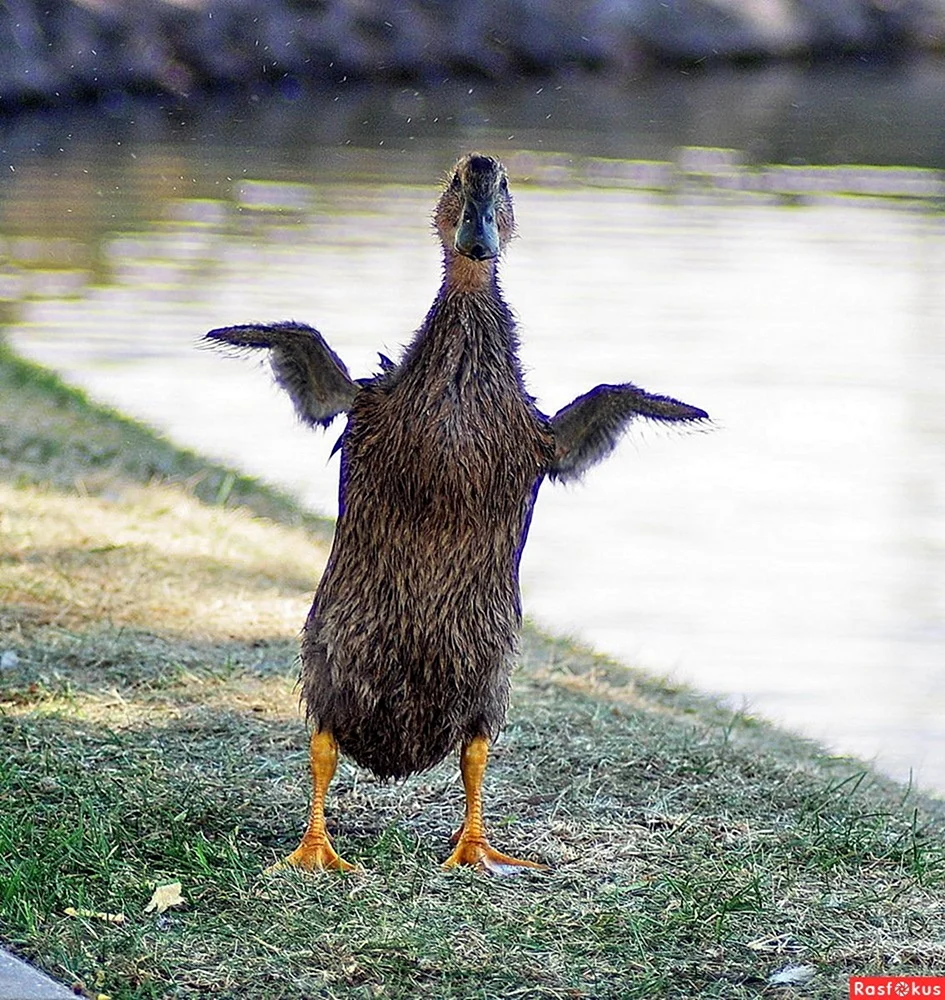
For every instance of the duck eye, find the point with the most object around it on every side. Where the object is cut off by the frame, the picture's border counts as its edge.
(455, 183)
(504, 185)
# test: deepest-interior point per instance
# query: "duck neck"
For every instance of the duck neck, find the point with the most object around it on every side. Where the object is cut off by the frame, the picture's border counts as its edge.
(463, 274)
(468, 329)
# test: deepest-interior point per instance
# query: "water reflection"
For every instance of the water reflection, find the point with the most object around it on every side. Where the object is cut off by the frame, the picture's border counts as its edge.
(794, 557)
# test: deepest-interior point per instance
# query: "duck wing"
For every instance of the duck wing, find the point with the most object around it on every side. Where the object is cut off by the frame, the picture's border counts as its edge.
(588, 429)
(315, 378)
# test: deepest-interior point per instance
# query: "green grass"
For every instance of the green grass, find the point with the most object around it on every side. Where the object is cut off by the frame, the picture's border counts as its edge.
(150, 734)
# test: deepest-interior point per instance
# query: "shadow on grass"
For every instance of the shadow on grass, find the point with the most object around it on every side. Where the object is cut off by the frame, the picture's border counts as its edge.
(54, 662)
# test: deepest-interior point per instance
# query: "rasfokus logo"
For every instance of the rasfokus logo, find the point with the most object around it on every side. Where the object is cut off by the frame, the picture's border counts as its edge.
(897, 986)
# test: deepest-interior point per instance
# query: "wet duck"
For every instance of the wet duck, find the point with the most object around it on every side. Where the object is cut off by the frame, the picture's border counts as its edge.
(407, 651)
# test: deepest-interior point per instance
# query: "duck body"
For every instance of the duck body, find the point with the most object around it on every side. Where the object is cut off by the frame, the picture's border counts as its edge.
(408, 648)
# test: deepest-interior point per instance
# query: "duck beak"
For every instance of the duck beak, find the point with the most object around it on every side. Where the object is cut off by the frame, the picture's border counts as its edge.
(478, 233)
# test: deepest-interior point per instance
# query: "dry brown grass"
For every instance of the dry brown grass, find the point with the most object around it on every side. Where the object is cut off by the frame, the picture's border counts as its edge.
(154, 558)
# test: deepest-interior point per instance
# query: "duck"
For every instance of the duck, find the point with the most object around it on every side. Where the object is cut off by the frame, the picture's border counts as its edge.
(407, 652)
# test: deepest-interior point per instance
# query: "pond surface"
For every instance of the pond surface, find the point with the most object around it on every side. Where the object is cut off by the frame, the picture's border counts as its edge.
(792, 559)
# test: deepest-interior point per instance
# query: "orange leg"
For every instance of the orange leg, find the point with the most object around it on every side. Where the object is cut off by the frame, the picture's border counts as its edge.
(315, 851)
(472, 848)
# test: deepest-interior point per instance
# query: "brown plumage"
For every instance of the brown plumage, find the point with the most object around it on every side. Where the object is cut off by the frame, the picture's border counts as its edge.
(408, 648)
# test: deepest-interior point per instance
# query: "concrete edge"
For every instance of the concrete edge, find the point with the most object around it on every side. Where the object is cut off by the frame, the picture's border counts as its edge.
(20, 981)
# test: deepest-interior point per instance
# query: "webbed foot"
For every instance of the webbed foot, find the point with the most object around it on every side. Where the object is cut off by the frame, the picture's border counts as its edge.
(315, 853)
(312, 856)
(479, 853)
(472, 848)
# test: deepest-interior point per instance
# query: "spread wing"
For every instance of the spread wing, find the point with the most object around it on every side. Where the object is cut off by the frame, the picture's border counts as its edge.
(588, 429)
(315, 378)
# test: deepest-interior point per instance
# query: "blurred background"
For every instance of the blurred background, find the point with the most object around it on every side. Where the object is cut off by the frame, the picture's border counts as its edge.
(735, 202)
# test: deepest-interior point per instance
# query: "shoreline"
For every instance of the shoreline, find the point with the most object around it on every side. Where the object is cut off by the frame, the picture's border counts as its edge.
(156, 738)
(77, 52)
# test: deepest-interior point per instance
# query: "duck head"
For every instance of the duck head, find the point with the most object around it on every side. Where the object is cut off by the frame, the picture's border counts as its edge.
(474, 217)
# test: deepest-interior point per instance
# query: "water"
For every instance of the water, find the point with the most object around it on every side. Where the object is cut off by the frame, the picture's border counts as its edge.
(792, 559)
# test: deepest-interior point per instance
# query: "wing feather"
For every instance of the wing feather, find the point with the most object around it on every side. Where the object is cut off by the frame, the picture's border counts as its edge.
(587, 430)
(315, 378)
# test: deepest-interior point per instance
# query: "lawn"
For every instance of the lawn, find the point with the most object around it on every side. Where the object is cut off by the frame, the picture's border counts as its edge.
(149, 610)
